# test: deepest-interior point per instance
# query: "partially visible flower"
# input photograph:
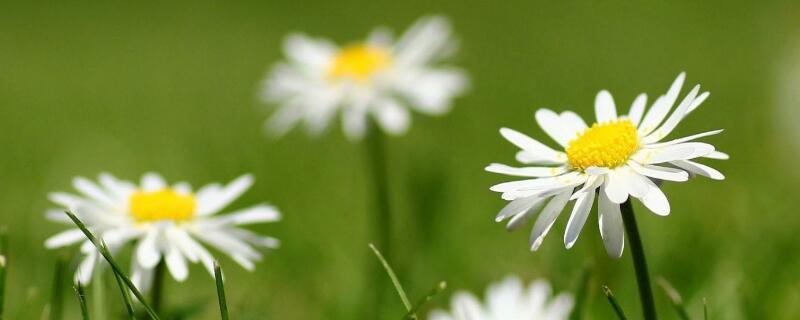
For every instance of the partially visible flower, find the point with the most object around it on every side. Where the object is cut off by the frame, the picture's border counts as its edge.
(379, 77)
(509, 300)
(166, 221)
(619, 156)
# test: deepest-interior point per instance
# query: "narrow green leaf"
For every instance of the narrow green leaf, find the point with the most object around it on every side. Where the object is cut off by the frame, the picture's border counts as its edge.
(82, 299)
(126, 297)
(223, 305)
(397, 286)
(114, 266)
(439, 288)
(705, 309)
(617, 309)
(674, 297)
(57, 295)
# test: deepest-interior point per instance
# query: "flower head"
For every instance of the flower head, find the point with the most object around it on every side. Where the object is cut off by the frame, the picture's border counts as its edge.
(618, 156)
(509, 300)
(167, 222)
(377, 77)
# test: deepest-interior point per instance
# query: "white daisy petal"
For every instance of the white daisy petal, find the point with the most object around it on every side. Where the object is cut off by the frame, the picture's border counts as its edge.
(561, 181)
(717, 155)
(696, 103)
(637, 109)
(661, 107)
(615, 186)
(64, 238)
(684, 139)
(655, 200)
(526, 215)
(659, 172)
(392, 116)
(152, 181)
(699, 169)
(257, 214)
(673, 120)
(574, 122)
(534, 149)
(604, 107)
(86, 268)
(91, 190)
(176, 263)
(546, 219)
(578, 218)
(681, 151)
(211, 204)
(517, 207)
(592, 183)
(526, 171)
(147, 252)
(551, 123)
(611, 226)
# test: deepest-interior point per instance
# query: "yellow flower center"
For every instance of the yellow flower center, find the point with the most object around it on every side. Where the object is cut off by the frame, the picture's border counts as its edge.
(164, 204)
(607, 145)
(359, 62)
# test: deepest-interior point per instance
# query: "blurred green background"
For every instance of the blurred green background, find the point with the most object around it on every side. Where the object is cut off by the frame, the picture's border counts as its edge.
(171, 87)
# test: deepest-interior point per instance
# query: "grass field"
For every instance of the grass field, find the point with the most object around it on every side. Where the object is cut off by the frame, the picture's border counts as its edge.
(129, 88)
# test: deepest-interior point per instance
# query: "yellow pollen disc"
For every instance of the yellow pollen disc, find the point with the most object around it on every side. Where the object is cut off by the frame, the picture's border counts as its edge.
(607, 145)
(165, 204)
(359, 62)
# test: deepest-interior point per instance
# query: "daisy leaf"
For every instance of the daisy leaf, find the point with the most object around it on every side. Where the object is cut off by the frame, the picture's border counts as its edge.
(223, 305)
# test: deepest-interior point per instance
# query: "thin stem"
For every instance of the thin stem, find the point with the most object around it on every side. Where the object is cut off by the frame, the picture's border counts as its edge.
(126, 297)
(56, 298)
(439, 288)
(639, 263)
(82, 299)
(396, 282)
(675, 297)
(157, 294)
(98, 296)
(617, 308)
(382, 231)
(223, 305)
(705, 309)
(103, 249)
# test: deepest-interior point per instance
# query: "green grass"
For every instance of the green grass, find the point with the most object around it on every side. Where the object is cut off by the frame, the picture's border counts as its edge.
(171, 86)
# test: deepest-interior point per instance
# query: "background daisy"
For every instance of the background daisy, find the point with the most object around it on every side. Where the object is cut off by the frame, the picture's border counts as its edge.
(166, 222)
(379, 77)
(509, 299)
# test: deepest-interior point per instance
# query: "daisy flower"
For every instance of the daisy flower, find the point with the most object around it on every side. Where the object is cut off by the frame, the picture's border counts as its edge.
(378, 77)
(618, 156)
(509, 300)
(167, 222)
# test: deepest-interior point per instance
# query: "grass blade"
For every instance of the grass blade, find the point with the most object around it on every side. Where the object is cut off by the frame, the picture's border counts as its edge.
(705, 309)
(114, 266)
(674, 297)
(223, 305)
(57, 295)
(82, 299)
(395, 281)
(126, 297)
(441, 286)
(617, 309)
(580, 292)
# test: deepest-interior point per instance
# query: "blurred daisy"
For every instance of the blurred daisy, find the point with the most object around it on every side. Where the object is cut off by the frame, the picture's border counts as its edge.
(379, 77)
(169, 222)
(619, 156)
(509, 300)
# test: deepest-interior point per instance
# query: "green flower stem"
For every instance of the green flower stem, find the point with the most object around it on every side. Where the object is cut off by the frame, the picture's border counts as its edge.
(382, 231)
(223, 304)
(157, 293)
(639, 263)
